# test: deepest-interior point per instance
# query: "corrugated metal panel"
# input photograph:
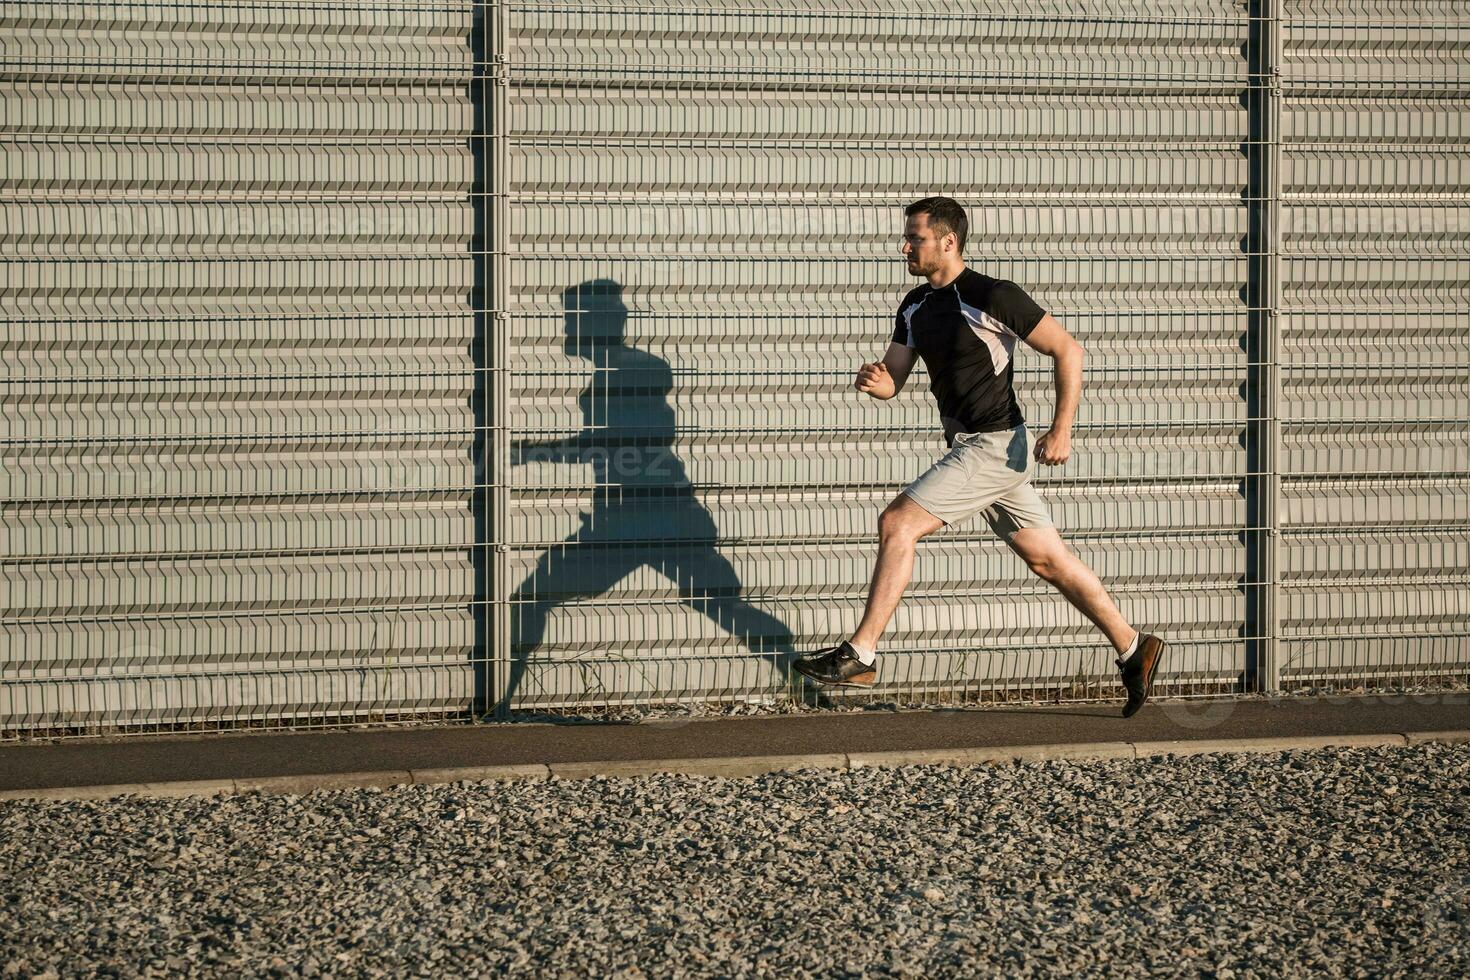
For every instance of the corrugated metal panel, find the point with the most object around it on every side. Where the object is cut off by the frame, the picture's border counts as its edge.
(237, 444)
(255, 294)
(708, 203)
(1377, 341)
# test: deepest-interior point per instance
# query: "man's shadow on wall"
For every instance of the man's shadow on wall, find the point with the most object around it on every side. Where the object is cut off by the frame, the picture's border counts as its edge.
(644, 511)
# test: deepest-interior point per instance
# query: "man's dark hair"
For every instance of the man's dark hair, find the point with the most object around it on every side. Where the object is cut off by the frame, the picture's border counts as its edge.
(945, 216)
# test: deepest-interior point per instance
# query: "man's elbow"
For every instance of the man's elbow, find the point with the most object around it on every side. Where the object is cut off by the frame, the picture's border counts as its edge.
(1071, 351)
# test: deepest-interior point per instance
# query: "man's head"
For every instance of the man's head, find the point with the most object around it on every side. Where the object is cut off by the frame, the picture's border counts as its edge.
(595, 316)
(933, 234)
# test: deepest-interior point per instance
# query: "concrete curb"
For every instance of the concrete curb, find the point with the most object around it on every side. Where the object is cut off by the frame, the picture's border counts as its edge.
(477, 774)
(740, 765)
(991, 755)
(734, 766)
(327, 780)
(186, 787)
(1270, 743)
(1419, 738)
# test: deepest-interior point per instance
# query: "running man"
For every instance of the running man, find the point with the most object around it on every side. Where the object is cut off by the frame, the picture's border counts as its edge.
(965, 326)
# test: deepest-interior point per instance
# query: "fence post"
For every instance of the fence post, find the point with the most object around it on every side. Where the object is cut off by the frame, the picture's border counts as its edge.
(1263, 295)
(489, 296)
(499, 244)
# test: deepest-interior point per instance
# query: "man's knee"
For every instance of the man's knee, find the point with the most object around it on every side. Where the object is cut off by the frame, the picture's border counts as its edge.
(1043, 552)
(904, 520)
(1044, 565)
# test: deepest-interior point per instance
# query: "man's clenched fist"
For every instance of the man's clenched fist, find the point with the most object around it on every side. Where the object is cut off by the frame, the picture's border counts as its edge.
(874, 379)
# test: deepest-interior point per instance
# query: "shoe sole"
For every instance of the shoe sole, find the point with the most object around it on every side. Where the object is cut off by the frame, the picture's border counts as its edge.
(1149, 671)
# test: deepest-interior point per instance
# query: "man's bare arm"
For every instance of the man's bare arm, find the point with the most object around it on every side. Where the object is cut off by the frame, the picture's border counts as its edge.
(885, 379)
(1052, 339)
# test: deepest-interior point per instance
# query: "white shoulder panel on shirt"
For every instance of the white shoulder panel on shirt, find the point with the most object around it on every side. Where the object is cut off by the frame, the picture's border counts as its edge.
(908, 318)
(1000, 338)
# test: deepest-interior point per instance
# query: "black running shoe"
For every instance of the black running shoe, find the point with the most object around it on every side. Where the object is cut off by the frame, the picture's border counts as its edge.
(838, 666)
(1138, 671)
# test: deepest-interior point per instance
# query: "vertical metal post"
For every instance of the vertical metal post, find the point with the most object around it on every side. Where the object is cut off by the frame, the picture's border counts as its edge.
(499, 244)
(489, 296)
(1264, 300)
(1272, 662)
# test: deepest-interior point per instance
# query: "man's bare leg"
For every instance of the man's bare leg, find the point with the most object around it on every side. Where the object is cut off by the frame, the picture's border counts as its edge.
(900, 527)
(1048, 556)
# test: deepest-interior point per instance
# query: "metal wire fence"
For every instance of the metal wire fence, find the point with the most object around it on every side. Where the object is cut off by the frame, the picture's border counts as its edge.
(374, 361)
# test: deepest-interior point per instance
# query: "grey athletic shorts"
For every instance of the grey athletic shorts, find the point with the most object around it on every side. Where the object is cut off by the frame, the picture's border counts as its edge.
(984, 471)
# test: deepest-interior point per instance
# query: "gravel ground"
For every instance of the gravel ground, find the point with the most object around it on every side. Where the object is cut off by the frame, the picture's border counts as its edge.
(1342, 862)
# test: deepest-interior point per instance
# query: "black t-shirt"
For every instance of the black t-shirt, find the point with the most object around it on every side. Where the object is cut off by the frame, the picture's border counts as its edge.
(966, 333)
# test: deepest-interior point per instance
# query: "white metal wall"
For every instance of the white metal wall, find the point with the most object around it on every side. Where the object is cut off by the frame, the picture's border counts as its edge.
(1376, 341)
(247, 324)
(735, 178)
(236, 445)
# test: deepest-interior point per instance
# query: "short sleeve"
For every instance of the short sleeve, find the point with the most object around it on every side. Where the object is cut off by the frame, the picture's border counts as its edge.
(1011, 305)
(901, 323)
(900, 329)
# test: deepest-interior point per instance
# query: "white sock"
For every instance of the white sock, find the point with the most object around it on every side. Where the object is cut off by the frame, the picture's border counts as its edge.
(1133, 646)
(866, 654)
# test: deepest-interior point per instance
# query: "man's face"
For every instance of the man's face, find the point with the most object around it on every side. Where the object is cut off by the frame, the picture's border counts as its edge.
(921, 248)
